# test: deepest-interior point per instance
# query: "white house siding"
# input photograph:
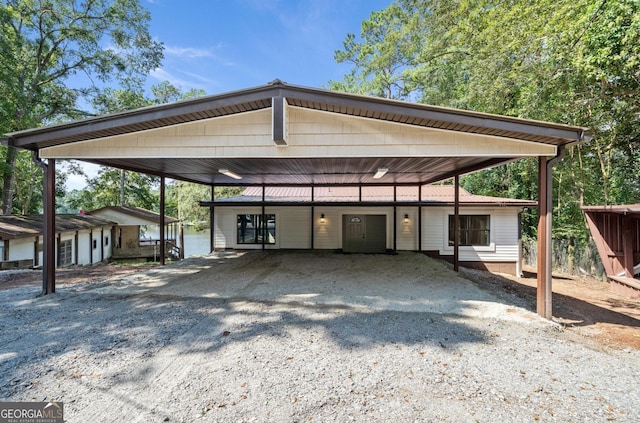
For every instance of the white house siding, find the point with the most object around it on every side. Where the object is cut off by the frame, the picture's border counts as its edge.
(296, 221)
(293, 229)
(21, 248)
(503, 234)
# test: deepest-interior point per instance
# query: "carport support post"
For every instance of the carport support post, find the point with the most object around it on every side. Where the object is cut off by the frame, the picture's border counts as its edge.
(162, 222)
(456, 224)
(212, 217)
(49, 229)
(543, 300)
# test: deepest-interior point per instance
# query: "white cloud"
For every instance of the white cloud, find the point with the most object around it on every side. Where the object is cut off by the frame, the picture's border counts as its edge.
(188, 52)
(193, 80)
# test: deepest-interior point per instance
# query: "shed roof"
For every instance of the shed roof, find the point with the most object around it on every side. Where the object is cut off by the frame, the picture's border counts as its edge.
(17, 226)
(628, 209)
(147, 217)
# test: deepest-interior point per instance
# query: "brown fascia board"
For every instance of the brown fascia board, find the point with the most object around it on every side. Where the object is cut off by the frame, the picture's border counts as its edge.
(443, 114)
(222, 203)
(171, 113)
(162, 115)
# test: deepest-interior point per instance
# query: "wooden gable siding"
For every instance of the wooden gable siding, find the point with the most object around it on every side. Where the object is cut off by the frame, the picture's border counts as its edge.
(311, 134)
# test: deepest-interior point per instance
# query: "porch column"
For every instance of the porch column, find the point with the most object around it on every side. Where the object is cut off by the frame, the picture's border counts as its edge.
(212, 227)
(312, 216)
(49, 229)
(544, 293)
(420, 218)
(456, 225)
(395, 220)
(162, 223)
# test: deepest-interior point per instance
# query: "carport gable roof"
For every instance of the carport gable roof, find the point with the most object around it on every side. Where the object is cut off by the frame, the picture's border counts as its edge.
(332, 165)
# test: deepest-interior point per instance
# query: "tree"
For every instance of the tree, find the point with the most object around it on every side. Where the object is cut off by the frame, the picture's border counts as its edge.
(45, 42)
(118, 186)
(567, 61)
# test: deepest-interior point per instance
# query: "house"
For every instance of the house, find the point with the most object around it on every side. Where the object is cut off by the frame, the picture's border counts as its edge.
(79, 240)
(374, 219)
(136, 233)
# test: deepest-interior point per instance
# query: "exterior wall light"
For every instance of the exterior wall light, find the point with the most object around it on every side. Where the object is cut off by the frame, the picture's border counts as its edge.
(406, 218)
(322, 218)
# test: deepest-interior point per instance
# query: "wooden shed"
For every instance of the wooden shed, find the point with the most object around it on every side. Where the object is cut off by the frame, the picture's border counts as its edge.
(616, 232)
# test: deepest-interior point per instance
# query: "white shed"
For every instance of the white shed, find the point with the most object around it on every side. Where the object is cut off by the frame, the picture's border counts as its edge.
(80, 240)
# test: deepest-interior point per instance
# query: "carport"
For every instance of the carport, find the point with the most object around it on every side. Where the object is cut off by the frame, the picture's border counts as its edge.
(286, 135)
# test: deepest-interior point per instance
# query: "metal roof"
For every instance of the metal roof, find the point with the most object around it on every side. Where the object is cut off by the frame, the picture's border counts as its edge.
(630, 209)
(436, 195)
(338, 170)
(152, 217)
(16, 226)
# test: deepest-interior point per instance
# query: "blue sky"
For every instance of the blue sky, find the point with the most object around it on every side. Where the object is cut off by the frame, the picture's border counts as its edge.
(227, 45)
(221, 46)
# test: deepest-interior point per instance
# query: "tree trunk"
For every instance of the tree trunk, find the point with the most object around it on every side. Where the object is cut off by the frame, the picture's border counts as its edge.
(8, 182)
(122, 181)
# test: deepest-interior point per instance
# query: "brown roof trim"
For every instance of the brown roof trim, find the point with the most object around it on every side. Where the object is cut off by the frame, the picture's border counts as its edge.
(318, 99)
(136, 212)
(19, 226)
(223, 203)
(633, 209)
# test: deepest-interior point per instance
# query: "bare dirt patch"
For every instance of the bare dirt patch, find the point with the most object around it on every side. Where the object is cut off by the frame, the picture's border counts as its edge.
(583, 304)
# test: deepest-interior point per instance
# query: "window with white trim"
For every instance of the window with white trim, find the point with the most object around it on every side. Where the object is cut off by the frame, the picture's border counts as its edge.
(253, 228)
(474, 230)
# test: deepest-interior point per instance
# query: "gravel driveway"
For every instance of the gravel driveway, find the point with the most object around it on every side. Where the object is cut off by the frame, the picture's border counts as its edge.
(304, 336)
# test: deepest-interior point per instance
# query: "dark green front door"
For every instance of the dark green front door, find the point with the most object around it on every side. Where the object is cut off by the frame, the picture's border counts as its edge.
(364, 233)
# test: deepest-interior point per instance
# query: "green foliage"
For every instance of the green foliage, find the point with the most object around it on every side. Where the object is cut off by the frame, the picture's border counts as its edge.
(183, 198)
(43, 43)
(106, 189)
(567, 61)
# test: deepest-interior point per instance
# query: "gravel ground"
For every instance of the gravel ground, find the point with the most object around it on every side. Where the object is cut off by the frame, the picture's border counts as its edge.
(304, 336)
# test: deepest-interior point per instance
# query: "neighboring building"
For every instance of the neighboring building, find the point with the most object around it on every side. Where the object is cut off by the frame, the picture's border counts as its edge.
(80, 240)
(374, 220)
(132, 233)
(616, 232)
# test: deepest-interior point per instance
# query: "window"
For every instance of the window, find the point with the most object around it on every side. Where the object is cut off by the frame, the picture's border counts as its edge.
(253, 228)
(65, 253)
(474, 230)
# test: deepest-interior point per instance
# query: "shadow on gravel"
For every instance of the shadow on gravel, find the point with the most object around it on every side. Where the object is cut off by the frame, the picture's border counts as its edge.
(49, 334)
